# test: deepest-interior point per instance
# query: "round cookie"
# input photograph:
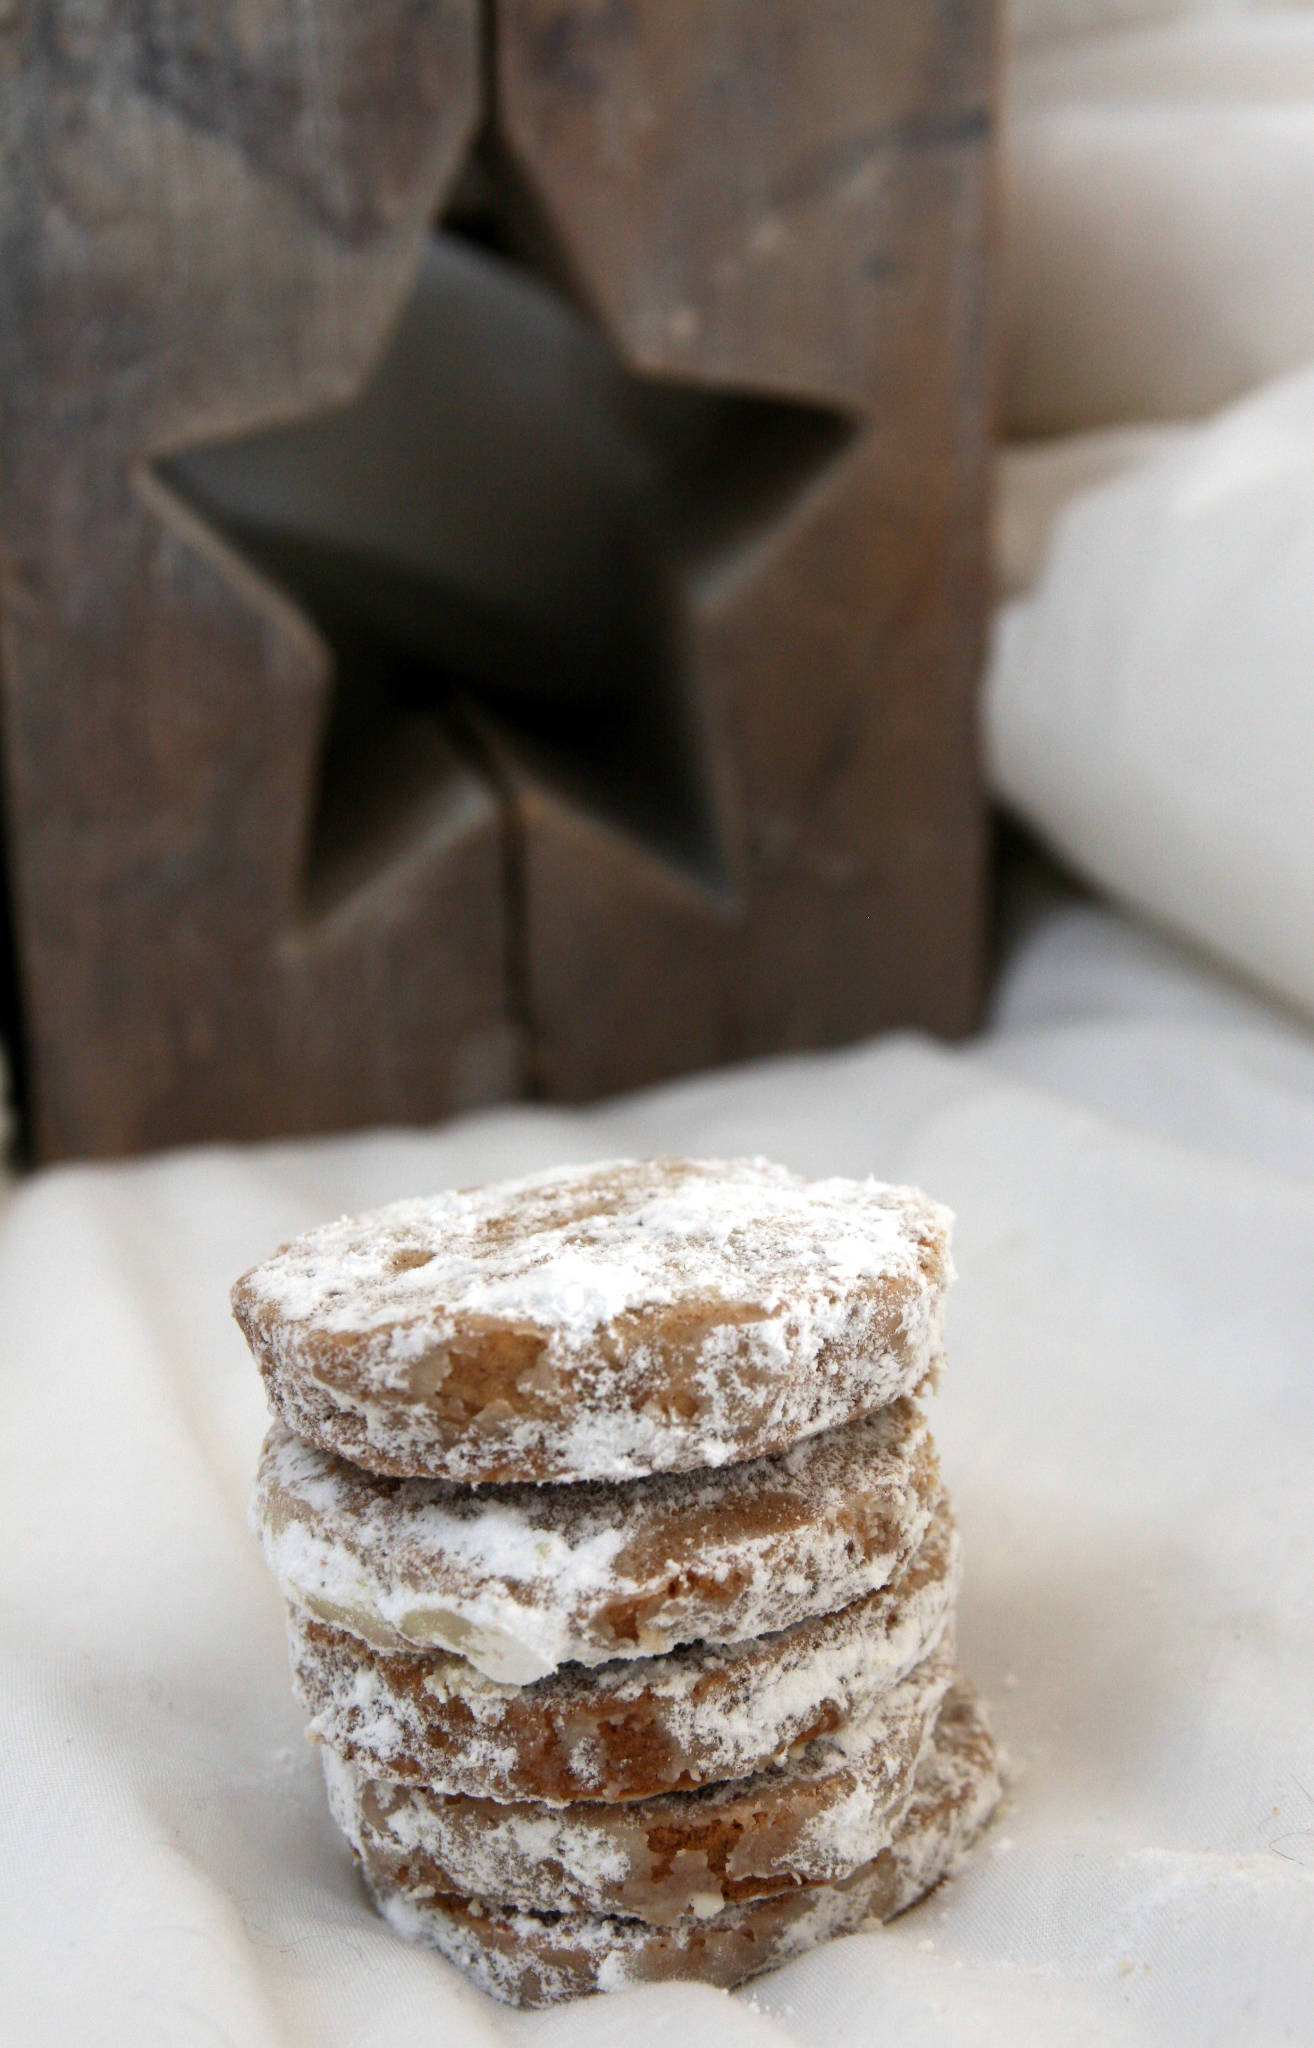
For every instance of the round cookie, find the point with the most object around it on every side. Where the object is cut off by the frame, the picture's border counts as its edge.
(536, 1959)
(679, 1855)
(626, 1729)
(601, 1322)
(521, 1579)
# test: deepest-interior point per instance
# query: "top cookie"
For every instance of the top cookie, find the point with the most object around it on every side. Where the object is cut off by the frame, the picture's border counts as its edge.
(600, 1322)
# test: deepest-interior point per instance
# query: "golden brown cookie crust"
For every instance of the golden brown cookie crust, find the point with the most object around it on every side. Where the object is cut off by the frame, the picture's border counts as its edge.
(601, 1322)
(627, 1729)
(536, 1959)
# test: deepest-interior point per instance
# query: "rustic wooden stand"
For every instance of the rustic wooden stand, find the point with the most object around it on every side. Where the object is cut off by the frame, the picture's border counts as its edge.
(772, 216)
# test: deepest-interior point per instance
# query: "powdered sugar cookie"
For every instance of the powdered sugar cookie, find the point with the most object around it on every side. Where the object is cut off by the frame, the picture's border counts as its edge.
(629, 1728)
(539, 1958)
(601, 1322)
(521, 1579)
(683, 1854)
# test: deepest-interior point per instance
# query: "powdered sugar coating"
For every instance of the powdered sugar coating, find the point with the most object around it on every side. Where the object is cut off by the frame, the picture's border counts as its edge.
(521, 1579)
(814, 1818)
(537, 1959)
(629, 1728)
(601, 1321)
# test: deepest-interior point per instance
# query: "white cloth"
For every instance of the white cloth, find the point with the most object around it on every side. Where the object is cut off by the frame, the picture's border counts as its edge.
(1149, 707)
(1035, 22)
(1159, 239)
(1148, 710)
(1127, 1423)
(1036, 481)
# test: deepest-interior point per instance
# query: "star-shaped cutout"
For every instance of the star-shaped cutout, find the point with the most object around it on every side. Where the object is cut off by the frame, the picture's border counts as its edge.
(497, 531)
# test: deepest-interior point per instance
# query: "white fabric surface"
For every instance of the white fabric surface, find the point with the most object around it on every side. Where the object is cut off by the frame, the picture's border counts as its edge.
(1159, 245)
(1128, 1424)
(1149, 706)
(1036, 481)
(1033, 22)
(1148, 710)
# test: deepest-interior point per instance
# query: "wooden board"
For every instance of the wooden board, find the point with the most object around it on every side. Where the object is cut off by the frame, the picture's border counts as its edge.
(210, 223)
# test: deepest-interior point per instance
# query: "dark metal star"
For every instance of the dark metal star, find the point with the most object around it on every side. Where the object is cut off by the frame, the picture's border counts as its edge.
(497, 530)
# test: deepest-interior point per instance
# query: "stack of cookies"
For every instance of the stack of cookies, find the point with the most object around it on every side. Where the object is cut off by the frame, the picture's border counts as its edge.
(619, 1574)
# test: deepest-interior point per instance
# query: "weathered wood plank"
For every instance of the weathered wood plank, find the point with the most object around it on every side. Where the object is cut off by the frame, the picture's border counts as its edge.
(790, 200)
(212, 218)
(216, 213)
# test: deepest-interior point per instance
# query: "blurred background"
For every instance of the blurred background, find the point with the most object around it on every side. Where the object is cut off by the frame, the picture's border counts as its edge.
(547, 549)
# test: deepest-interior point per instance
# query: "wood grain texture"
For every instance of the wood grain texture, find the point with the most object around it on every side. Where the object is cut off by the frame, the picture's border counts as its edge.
(787, 199)
(216, 214)
(210, 221)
